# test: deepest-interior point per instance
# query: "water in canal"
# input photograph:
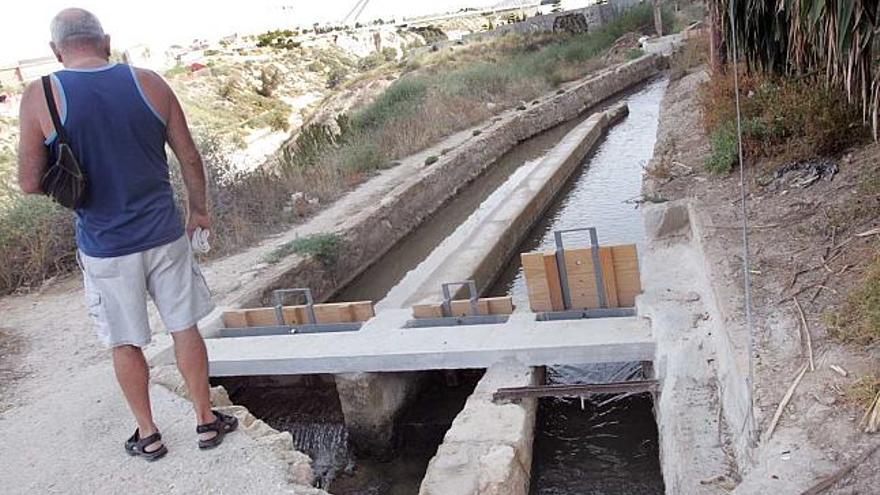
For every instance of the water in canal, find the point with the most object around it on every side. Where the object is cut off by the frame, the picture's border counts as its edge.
(604, 444)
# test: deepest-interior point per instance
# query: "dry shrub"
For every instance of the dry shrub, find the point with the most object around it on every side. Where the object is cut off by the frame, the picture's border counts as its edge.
(693, 54)
(783, 119)
(36, 241)
(858, 320)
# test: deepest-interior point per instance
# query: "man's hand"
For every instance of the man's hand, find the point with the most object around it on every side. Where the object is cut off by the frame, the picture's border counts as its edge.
(197, 219)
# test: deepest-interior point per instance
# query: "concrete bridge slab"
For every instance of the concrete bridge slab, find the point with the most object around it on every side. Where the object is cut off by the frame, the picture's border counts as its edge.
(383, 346)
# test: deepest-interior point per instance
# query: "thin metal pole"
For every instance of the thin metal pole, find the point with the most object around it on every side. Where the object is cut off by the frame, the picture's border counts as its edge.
(747, 274)
(597, 266)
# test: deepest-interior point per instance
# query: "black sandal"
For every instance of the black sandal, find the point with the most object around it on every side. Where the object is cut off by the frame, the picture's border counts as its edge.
(222, 424)
(137, 446)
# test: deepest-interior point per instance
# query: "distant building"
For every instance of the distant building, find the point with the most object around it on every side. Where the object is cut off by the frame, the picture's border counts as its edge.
(10, 76)
(28, 70)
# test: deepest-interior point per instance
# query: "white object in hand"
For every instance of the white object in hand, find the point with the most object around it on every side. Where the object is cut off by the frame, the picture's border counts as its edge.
(199, 241)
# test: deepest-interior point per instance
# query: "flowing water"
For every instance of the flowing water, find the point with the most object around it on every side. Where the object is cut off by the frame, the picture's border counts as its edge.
(603, 444)
(411, 255)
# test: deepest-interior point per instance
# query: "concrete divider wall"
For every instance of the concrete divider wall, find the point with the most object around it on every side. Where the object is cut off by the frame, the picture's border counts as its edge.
(372, 232)
(488, 449)
(482, 255)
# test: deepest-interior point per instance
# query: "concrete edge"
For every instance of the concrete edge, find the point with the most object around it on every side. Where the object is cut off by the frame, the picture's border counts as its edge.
(734, 390)
(488, 449)
(299, 474)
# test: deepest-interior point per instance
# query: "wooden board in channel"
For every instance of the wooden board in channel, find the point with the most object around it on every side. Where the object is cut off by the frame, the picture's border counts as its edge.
(581, 278)
(626, 274)
(462, 307)
(620, 268)
(542, 281)
(345, 312)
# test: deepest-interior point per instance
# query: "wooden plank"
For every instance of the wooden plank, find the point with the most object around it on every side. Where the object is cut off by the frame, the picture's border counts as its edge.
(422, 311)
(551, 270)
(536, 282)
(581, 278)
(500, 305)
(462, 307)
(626, 272)
(344, 312)
(606, 261)
(578, 390)
(234, 319)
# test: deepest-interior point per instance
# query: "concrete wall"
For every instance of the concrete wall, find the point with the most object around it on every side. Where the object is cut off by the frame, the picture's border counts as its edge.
(595, 16)
(371, 403)
(488, 449)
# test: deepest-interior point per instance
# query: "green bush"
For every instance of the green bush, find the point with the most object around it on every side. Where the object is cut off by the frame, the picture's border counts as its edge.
(783, 119)
(36, 241)
(370, 62)
(389, 53)
(724, 150)
(401, 98)
(362, 156)
(431, 160)
(322, 247)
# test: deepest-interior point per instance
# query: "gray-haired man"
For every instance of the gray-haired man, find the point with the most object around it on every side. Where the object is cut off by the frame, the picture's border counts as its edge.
(129, 233)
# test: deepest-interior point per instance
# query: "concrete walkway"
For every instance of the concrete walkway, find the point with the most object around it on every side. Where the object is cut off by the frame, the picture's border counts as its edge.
(383, 346)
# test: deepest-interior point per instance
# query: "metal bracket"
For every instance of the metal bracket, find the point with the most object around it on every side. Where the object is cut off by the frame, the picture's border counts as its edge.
(580, 314)
(597, 266)
(447, 297)
(279, 294)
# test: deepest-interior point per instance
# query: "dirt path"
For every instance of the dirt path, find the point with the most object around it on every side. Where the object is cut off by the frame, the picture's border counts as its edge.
(791, 229)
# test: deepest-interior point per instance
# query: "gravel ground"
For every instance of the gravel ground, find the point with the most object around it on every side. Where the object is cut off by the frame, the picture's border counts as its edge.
(65, 420)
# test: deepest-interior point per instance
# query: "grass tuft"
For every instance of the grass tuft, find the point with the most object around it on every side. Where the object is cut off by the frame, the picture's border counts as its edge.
(858, 320)
(322, 247)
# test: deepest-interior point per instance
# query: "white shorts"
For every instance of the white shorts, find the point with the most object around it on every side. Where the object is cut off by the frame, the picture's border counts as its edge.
(117, 288)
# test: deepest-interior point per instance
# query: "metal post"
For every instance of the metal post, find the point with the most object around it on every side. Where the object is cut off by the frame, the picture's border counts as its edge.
(447, 297)
(597, 266)
(279, 304)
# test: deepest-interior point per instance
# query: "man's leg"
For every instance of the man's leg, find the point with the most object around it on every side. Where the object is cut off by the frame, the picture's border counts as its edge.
(133, 376)
(192, 361)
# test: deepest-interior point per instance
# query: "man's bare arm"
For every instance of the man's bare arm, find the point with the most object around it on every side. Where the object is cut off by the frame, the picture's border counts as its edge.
(32, 154)
(191, 166)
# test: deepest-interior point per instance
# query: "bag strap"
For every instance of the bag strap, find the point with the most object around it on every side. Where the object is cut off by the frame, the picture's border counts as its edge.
(53, 110)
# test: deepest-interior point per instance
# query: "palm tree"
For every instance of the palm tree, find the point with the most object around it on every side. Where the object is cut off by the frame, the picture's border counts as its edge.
(830, 38)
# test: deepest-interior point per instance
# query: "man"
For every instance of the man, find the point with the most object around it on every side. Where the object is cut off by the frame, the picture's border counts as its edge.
(129, 233)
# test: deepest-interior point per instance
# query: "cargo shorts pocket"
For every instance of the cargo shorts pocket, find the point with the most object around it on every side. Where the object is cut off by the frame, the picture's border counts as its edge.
(93, 305)
(200, 278)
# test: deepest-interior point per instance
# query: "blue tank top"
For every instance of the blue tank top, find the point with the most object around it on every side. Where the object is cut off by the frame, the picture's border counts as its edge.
(119, 140)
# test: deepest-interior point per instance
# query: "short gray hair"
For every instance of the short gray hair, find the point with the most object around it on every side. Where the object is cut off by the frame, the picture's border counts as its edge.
(75, 25)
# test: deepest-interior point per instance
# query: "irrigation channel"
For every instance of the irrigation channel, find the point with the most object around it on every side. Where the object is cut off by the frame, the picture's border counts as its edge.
(602, 445)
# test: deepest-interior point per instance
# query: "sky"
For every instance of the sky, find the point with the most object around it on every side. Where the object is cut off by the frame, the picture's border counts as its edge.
(24, 29)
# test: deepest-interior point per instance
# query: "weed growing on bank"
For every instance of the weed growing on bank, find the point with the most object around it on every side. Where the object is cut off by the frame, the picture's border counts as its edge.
(858, 320)
(323, 247)
(783, 119)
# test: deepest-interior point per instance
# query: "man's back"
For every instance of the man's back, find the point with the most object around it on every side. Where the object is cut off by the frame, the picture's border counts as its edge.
(119, 138)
